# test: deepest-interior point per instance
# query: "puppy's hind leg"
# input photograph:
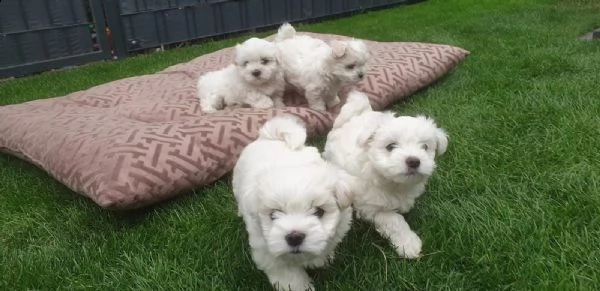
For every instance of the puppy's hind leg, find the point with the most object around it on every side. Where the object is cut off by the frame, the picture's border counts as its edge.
(393, 226)
(211, 103)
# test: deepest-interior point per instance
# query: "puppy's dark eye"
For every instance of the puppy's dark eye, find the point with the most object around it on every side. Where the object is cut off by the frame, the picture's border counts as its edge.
(319, 212)
(274, 214)
(264, 61)
(391, 147)
(350, 66)
(425, 147)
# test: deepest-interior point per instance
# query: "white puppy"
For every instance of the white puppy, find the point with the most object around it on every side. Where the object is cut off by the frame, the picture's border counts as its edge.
(392, 158)
(295, 207)
(319, 69)
(255, 79)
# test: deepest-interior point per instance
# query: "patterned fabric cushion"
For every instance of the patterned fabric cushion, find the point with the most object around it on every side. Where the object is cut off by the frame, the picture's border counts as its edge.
(140, 140)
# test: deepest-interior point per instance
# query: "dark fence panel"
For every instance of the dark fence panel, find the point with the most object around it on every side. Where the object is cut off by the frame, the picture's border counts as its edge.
(37, 35)
(152, 23)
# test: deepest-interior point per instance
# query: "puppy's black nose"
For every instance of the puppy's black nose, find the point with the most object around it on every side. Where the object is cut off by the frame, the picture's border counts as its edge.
(413, 162)
(295, 238)
(256, 73)
(361, 75)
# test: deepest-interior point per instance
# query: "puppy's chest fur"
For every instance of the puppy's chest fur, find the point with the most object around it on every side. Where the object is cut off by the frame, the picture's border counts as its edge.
(400, 198)
(269, 90)
(273, 87)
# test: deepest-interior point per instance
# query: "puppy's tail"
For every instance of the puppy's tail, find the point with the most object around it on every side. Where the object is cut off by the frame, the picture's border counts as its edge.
(286, 31)
(286, 128)
(356, 104)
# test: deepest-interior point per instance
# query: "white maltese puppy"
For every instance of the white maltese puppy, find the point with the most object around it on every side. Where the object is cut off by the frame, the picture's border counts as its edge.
(255, 79)
(319, 69)
(295, 206)
(392, 158)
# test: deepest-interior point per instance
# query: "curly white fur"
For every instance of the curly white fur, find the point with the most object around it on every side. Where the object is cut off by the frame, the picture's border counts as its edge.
(255, 79)
(295, 206)
(391, 158)
(320, 69)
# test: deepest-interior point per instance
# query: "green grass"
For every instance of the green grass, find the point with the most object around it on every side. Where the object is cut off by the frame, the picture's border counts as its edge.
(514, 203)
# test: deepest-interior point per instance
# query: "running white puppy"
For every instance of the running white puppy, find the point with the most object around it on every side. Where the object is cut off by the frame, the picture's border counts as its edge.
(392, 158)
(319, 69)
(255, 79)
(295, 207)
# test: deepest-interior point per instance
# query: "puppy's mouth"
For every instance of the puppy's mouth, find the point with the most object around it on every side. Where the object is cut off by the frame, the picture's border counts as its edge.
(296, 251)
(412, 173)
(258, 80)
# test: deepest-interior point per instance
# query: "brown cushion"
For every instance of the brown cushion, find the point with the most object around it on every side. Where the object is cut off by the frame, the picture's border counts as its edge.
(140, 140)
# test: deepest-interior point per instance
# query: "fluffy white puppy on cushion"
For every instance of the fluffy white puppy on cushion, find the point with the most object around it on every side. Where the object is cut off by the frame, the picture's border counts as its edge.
(319, 69)
(295, 206)
(255, 79)
(392, 158)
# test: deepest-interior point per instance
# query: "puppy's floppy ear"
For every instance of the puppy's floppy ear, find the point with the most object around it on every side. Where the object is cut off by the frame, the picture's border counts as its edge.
(278, 57)
(442, 141)
(338, 48)
(236, 54)
(370, 128)
(342, 187)
(441, 137)
(366, 136)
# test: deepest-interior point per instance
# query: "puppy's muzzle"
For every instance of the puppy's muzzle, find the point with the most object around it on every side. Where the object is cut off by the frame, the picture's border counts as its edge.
(295, 238)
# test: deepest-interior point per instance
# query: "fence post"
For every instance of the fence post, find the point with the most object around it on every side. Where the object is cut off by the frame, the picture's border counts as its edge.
(113, 18)
(100, 24)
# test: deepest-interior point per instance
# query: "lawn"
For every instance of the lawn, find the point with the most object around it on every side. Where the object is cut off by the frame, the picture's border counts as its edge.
(514, 204)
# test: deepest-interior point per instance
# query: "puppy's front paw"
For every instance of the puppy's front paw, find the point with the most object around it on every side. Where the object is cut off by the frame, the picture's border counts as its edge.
(333, 102)
(317, 106)
(295, 284)
(330, 259)
(409, 246)
(209, 109)
(263, 103)
(289, 278)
